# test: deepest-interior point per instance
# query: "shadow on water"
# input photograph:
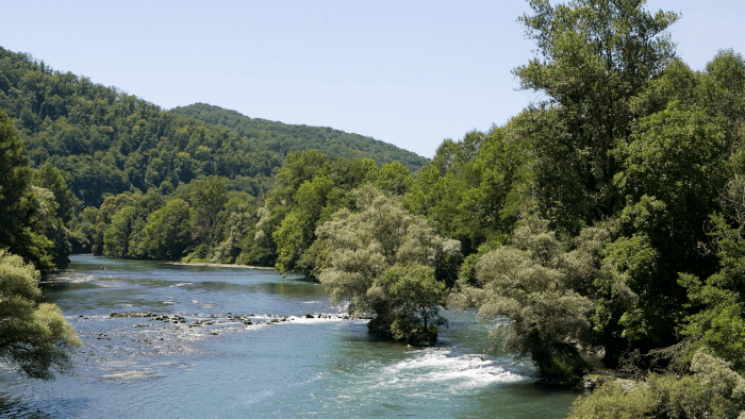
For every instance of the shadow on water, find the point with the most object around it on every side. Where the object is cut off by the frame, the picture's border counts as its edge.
(521, 401)
(61, 286)
(43, 409)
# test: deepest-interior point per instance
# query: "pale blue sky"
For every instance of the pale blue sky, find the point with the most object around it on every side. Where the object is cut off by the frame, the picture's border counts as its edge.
(408, 72)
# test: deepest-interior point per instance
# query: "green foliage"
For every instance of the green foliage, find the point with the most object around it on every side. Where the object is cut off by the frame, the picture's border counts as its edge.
(16, 173)
(50, 226)
(394, 178)
(300, 167)
(594, 57)
(718, 322)
(713, 390)
(351, 173)
(208, 197)
(116, 238)
(29, 216)
(52, 179)
(296, 233)
(473, 189)
(286, 139)
(34, 337)
(292, 237)
(108, 142)
(535, 284)
(674, 167)
(167, 234)
(238, 225)
(415, 296)
(629, 304)
(377, 257)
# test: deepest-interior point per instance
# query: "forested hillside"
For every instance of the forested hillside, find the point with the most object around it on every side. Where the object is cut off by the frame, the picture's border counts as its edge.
(106, 141)
(285, 138)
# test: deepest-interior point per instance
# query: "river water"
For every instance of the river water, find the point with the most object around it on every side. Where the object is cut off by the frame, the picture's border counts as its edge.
(142, 367)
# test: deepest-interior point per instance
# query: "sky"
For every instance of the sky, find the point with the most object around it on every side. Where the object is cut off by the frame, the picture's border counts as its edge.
(408, 72)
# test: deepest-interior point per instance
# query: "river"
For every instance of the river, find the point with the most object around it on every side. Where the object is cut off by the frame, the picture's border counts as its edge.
(213, 365)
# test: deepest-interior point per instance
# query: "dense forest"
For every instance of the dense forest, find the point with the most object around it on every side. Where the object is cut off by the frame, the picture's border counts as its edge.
(285, 139)
(107, 142)
(605, 221)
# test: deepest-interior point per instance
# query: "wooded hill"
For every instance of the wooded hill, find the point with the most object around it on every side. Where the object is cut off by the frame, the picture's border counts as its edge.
(107, 142)
(285, 138)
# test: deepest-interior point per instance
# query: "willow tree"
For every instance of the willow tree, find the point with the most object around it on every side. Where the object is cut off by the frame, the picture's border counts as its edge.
(34, 337)
(383, 260)
(546, 293)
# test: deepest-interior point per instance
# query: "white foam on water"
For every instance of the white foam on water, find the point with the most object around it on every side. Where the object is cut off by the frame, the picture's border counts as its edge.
(456, 372)
(77, 278)
(328, 318)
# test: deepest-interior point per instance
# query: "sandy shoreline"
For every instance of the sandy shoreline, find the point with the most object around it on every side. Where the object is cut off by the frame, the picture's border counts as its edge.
(220, 265)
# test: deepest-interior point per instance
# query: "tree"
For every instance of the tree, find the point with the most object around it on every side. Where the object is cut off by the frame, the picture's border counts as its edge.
(116, 239)
(51, 178)
(47, 222)
(595, 55)
(238, 225)
(167, 234)
(376, 258)
(301, 166)
(34, 337)
(208, 197)
(15, 173)
(717, 321)
(296, 233)
(19, 231)
(545, 291)
(394, 178)
(673, 169)
(473, 189)
(415, 296)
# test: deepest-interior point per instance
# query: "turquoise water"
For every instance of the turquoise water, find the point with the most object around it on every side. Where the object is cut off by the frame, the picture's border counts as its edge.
(136, 367)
